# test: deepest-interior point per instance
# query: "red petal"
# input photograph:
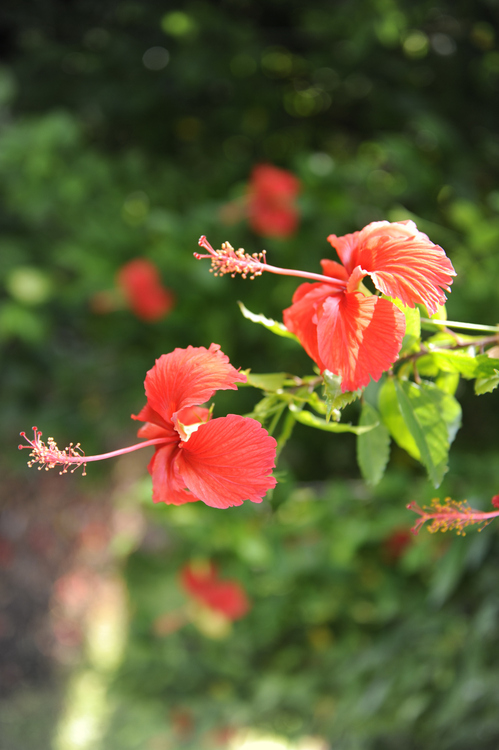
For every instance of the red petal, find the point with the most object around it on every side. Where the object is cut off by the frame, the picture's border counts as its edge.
(167, 486)
(404, 263)
(152, 417)
(334, 269)
(345, 247)
(187, 377)
(301, 317)
(227, 461)
(359, 337)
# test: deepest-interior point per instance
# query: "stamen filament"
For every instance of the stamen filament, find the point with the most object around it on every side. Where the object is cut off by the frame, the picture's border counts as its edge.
(228, 260)
(48, 455)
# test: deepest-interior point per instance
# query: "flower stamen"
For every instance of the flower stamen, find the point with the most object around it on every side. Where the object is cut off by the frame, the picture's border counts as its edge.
(227, 260)
(48, 455)
(450, 515)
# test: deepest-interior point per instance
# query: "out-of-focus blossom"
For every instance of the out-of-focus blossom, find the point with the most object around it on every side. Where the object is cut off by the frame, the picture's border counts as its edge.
(141, 284)
(272, 209)
(201, 581)
(396, 543)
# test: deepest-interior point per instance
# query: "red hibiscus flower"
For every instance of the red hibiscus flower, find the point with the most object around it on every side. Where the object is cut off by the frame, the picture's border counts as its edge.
(141, 283)
(271, 201)
(220, 461)
(225, 596)
(346, 330)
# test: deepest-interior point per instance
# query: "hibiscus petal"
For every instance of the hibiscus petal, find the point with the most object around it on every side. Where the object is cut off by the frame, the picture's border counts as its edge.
(167, 486)
(147, 414)
(403, 263)
(359, 337)
(228, 460)
(150, 431)
(301, 317)
(187, 377)
(334, 269)
(345, 247)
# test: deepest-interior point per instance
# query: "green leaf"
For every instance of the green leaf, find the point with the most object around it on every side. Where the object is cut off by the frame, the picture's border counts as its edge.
(272, 381)
(456, 361)
(272, 325)
(432, 418)
(373, 448)
(412, 335)
(448, 382)
(306, 417)
(486, 385)
(486, 366)
(423, 420)
(393, 419)
(487, 374)
(335, 399)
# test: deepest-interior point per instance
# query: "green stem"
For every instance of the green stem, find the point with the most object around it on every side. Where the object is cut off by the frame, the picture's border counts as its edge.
(463, 326)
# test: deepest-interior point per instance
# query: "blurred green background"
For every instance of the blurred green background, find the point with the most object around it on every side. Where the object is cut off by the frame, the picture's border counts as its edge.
(128, 129)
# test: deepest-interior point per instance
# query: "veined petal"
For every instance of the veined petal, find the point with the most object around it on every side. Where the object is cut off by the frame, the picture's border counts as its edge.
(167, 486)
(228, 460)
(147, 414)
(151, 431)
(301, 317)
(188, 377)
(359, 337)
(334, 269)
(403, 263)
(345, 247)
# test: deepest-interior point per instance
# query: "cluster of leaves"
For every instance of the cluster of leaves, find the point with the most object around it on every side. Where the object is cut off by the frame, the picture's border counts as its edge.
(358, 632)
(422, 415)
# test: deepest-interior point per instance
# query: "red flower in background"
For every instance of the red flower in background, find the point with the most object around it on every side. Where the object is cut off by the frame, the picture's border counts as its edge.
(271, 201)
(395, 545)
(141, 283)
(225, 596)
(220, 461)
(351, 333)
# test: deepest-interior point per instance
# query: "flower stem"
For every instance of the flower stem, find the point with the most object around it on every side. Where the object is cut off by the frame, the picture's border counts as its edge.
(462, 326)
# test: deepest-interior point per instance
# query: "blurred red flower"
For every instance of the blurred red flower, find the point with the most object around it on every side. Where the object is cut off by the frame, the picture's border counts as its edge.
(395, 545)
(225, 596)
(220, 461)
(350, 332)
(272, 201)
(140, 282)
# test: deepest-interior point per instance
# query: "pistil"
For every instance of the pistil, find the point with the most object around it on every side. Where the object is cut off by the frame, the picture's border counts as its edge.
(230, 261)
(450, 515)
(48, 455)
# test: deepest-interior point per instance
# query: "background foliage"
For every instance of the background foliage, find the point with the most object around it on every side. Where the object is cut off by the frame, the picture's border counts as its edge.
(125, 132)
